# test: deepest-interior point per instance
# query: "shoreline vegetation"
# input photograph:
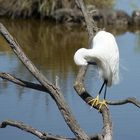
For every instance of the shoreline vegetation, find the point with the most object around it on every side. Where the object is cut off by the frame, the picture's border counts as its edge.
(66, 11)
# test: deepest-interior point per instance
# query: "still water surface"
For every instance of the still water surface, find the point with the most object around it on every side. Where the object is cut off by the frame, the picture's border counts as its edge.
(51, 48)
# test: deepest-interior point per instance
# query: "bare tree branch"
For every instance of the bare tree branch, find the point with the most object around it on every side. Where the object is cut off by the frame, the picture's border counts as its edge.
(41, 135)
(91, 25)
(30, 129)
(52, 89)
(79, 83)
(125, 101)
(23, 83)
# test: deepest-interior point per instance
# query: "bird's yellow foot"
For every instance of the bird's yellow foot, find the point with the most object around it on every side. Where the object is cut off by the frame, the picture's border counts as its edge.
(94, 102)
(102, 103)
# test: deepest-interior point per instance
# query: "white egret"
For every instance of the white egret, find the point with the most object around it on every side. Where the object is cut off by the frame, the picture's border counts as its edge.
(105, 54)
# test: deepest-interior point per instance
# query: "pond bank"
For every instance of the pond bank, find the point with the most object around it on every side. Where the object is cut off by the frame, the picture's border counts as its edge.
(101, 16)
(65, 11)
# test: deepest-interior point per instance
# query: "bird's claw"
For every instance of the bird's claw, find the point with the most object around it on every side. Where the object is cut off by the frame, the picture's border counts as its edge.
(102, 103)
(94, 102)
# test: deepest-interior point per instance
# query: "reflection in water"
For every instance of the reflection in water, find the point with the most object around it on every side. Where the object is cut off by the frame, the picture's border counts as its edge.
(137, 48)
(50, 47)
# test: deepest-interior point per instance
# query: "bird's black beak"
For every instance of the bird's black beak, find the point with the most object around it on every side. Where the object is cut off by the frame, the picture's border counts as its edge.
(91, 63)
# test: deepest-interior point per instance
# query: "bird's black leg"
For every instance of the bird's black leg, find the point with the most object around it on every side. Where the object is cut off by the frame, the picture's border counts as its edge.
(101, 103)
(96, 101)
(102, 87)
(105, 89)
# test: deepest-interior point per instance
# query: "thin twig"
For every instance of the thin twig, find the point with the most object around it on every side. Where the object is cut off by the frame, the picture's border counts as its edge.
(30, 129)
(23, 83)
(41, 135)
(90, 23)
(125, 101)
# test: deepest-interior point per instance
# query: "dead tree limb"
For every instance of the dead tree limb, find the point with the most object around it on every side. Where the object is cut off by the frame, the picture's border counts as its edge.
(90, 23)
(30, 129)
(54, 92)
(79, 83)
(41, 135)
(132, 100)
(22, 83)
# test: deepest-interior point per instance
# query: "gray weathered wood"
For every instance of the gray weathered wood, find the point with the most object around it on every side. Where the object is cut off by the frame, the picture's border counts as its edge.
(52, 89)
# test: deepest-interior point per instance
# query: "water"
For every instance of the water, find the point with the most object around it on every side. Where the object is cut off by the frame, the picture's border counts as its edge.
(127, 5)
(51, 48)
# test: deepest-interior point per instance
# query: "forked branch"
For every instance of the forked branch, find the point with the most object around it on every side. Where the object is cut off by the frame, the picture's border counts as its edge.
(22, 83)
(50, 88)
(30, 129)
(41, 135)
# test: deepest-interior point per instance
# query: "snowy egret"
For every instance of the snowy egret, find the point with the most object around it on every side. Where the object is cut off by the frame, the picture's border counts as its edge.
(105, 54)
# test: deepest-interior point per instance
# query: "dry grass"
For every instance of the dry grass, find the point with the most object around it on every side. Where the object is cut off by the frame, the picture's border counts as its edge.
(25, 8)
(17, 7)
(41, 8)
(101, 3)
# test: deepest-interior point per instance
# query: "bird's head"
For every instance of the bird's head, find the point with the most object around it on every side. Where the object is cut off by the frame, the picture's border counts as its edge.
(80, 57)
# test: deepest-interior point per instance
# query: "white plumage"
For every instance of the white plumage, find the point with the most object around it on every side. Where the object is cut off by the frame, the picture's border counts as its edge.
(104, 53)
